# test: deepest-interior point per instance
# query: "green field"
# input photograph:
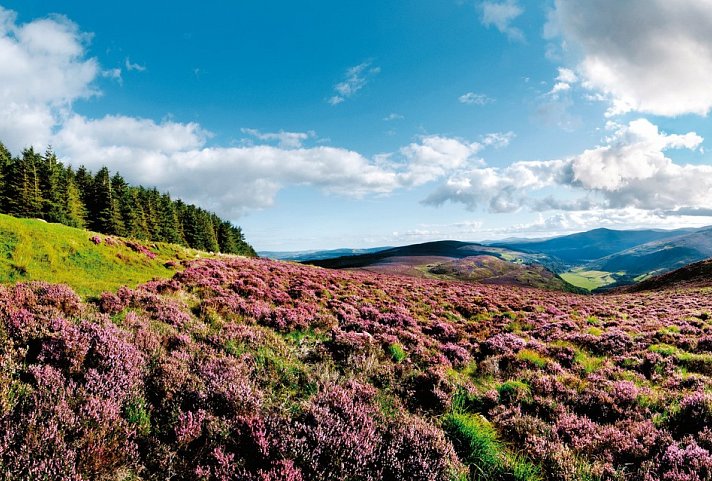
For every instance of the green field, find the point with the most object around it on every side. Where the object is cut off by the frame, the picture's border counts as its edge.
(589, 280)
(35, 250)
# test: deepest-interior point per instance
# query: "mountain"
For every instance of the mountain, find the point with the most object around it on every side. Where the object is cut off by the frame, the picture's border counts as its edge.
(584, 247)
(300, 256)
(656, 257)
(698, 274)
(456, 260)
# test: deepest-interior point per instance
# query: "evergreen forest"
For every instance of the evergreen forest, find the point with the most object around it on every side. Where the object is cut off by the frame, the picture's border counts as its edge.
(35, 185)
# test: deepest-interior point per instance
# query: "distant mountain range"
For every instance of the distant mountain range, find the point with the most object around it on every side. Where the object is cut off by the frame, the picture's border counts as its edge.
(299, 256)
(592, 260)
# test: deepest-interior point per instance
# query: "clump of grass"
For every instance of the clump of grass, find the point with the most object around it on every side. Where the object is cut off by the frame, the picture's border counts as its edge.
(397, 352)
(478, 446)
(589, 362)
(136, 412)
(663, 349)
(533, 358)
(513, 391)
(594, 331)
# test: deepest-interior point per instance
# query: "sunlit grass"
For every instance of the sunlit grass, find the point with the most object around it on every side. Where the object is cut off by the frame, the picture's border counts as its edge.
(35, 250)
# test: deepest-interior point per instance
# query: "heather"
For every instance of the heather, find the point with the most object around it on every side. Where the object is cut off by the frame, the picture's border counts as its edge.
(261, 370)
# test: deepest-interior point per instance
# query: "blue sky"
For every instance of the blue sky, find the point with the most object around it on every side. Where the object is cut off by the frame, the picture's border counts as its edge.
(329, 124)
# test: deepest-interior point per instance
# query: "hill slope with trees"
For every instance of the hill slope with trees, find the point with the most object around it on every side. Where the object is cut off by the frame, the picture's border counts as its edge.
(39, 186)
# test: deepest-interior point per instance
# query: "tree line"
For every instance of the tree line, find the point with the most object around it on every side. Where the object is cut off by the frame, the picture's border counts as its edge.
(39, 186)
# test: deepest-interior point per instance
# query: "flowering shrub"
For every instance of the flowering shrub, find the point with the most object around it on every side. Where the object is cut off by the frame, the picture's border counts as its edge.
(261, 370)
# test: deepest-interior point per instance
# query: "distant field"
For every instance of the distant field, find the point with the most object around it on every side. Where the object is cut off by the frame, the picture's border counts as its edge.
(588, 279)
(35, 250)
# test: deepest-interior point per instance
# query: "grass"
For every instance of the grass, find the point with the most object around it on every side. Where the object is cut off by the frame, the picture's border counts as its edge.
(588, 280)
(478, 446)
(35, 250)
(589, 362)
(397, 353)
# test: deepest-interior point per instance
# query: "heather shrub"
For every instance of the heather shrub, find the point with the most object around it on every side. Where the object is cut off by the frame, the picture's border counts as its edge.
(416, 450)
(339, 435)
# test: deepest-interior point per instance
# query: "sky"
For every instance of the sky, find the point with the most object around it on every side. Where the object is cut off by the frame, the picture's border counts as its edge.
(321, 124)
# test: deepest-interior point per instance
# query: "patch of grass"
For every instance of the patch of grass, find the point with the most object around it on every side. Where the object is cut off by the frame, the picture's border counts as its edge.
(478, 446)
(35, 250)
(513, 391)
(669, 330)
(594, 331)
(397, 352)
(588, 280)
(136, 412)
(589, 362)
(663, 349)
(533, 358)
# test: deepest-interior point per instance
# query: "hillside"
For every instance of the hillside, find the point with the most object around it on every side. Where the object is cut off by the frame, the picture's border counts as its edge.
(270, 371)
(657, 257)
(34, 250)
(455, 260)
(698, 274)
(584, 247)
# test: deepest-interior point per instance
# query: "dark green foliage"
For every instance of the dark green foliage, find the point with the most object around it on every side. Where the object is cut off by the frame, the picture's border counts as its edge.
(39, 186)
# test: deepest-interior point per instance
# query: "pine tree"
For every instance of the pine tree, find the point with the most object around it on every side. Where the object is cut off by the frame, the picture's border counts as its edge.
(23, 194)
(168, 225)
(104, 216)
(50, 171)
(72, 210)
(5, 163)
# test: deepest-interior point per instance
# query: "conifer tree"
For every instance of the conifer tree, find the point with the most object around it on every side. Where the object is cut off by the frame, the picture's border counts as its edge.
(104, 213)
(5, 163)
(72, 210)
(50, 171)
(24, 197)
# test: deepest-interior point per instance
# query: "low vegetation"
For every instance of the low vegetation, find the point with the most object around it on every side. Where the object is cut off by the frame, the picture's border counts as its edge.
(260, 370)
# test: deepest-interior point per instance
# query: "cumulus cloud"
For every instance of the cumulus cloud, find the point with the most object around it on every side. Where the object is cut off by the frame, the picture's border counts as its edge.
(652, 56)
(355, 79)
(631, 170)
(500, 15)
(45, 71)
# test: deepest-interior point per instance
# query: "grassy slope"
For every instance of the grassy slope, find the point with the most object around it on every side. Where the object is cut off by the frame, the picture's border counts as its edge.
(35, 250)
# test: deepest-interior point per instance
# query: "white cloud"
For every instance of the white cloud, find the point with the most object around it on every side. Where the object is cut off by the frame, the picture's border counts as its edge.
(652, 56)
(498, 140)
(134, 66)
(500, 15)
(631, 170)
(285, 140)
(44, 72)
(472, 98)
(434, 156)
(355, 79)
(393, 116)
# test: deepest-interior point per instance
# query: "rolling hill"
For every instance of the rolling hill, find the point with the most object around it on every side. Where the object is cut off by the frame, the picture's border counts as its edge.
(299, 256)
(698, 274)
(455, 260)
(584, 247)
(653, 258)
